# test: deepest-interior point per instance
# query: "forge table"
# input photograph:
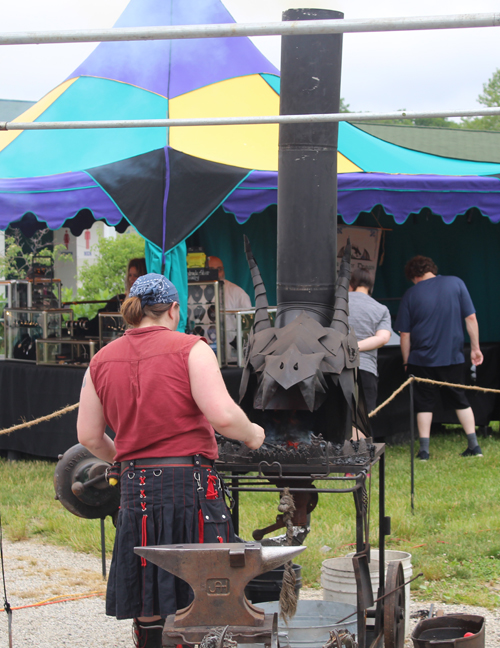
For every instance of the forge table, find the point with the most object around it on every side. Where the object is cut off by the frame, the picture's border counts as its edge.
(330, 478)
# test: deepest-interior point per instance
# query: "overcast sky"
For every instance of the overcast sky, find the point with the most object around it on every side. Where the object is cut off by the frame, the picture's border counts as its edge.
(432, 70)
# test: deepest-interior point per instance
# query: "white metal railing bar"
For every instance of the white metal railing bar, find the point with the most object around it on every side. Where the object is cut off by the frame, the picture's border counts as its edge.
(254, 29)
(237, 121)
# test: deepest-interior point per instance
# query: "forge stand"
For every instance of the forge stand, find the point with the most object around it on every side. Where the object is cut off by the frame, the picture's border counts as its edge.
(388, 629)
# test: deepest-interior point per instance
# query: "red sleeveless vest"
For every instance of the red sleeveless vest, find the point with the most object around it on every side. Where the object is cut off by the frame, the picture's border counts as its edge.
(142, 381)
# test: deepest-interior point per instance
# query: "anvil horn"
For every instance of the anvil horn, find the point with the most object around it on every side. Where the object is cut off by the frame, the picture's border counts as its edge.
(341, 313)
(273, 557)
(261, 320)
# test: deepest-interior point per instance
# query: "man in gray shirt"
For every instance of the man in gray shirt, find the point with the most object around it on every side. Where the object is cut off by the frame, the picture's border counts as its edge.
(371, 323)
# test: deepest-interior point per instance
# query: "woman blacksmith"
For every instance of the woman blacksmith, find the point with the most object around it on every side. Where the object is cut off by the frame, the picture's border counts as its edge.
(162, 394)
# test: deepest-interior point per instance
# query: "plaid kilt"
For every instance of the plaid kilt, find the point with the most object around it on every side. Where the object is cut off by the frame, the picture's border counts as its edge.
(161, 506)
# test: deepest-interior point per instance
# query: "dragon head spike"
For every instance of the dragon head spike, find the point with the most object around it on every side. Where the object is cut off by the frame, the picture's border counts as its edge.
(261, 320)
(341, 313)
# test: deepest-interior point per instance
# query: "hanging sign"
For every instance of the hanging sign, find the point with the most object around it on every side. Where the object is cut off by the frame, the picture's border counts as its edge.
(365, 242)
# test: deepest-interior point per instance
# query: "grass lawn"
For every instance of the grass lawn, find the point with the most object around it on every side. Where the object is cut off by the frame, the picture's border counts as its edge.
(453, 534)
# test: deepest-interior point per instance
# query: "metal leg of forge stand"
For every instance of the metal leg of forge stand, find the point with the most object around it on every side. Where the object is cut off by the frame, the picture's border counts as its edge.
(235, 511)
(103, 548)
(384, 528)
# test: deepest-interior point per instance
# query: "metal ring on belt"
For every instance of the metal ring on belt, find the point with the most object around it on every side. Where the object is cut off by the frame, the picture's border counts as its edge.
(153, 462)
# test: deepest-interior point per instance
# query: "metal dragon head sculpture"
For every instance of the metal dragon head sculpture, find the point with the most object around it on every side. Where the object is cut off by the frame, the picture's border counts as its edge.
(298, 364)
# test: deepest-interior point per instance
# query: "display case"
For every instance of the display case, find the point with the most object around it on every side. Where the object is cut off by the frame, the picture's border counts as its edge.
(45, 293)
(39, 292)
(244, 323)
(111, 326)
(65, 352)
(4, 302)
(204, 314)
(19, 293)
(23, 326)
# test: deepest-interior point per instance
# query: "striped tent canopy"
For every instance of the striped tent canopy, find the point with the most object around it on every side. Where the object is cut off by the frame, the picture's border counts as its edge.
(166, 183)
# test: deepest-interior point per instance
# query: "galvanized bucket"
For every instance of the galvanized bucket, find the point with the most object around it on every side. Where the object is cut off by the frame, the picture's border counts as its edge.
(312, 624)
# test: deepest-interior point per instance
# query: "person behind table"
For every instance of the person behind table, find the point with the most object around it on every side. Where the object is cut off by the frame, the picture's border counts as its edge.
(235, 298)
(136, 268)
(162, 394)
(430, 320)
(371, 322)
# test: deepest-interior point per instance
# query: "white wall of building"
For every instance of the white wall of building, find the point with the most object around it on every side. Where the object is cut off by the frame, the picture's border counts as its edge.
(80, 248)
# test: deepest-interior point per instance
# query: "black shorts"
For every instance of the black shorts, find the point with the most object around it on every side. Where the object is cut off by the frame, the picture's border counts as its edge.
(426, 395)
(160, 506)
(369, 382)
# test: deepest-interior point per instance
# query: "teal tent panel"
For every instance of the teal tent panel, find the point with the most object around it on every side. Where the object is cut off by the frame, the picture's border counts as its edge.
(261, 230)
(175, 270)
(273, 80)
(39, 153)
(375, 155)
(468, 249)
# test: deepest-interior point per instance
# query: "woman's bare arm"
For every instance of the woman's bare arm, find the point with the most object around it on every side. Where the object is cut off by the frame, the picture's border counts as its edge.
(91, 426)
(211, 396)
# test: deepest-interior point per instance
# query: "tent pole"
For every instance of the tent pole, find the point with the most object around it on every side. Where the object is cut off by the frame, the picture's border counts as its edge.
(232, 121)
(356, 25)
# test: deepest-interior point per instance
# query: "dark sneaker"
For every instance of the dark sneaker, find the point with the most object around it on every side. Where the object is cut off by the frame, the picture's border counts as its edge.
(475, 452)
(423, 455)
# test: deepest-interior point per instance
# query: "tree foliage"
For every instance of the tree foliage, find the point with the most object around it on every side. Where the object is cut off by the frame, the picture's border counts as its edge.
(106, 276)
(344, 107)
(490, 97)
(108, 272)
(20, 252)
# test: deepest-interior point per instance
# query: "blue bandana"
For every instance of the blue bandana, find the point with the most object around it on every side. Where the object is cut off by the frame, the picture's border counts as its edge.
(153, 289)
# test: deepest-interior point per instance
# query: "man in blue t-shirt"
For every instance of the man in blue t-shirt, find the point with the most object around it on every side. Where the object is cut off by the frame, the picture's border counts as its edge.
(430, 320)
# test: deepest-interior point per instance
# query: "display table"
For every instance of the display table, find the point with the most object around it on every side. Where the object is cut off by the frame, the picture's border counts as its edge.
(28, 391)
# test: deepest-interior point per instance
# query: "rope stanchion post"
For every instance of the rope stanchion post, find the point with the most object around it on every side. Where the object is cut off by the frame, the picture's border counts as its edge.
(412, 444)
(103, 548)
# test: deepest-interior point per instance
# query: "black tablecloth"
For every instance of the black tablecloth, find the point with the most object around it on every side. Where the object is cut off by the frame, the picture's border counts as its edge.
(28, 391)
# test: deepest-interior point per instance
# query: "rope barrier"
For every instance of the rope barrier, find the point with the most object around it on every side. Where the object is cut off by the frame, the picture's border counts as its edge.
(42, 419)
(75, 597)
(392, 397)
(70, 408)
(430, 382)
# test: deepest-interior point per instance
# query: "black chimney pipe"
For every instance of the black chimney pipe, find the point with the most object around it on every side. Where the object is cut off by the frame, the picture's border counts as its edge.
(307, 178)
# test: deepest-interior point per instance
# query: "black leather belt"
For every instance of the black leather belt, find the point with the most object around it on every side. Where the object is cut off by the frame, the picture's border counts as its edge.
(149, 462)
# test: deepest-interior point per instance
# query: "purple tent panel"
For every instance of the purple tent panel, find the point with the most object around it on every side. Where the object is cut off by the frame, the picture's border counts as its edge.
(172, 68)
(54, 199)
(399, 194)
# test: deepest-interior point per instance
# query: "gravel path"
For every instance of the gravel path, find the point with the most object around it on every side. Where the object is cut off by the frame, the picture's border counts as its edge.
(35, 572)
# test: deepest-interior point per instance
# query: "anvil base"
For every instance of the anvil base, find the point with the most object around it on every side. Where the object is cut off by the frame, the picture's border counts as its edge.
(263, 634)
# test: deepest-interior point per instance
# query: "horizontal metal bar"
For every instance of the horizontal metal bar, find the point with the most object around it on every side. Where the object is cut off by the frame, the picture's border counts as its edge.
(235, 121)
(256, 489)
(295, 28)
